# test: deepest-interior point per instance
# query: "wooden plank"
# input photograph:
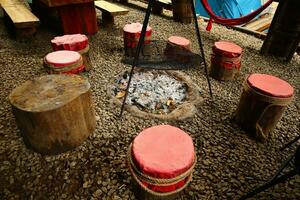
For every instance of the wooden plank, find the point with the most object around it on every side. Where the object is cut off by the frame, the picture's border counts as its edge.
(113, 9)
(21, 16)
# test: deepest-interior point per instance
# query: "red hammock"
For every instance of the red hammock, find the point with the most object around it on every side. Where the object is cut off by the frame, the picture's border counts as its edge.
(234, 21)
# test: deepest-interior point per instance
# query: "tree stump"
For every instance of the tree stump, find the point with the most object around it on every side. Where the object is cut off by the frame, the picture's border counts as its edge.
(225, 60)
(54, 112)
(182, 11)
(64, 62)
(179, 49)
(262, 104)
(132, 33)
(74, 42)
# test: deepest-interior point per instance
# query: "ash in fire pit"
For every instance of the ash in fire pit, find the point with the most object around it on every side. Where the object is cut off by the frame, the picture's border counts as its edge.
(152, 92)
(161, 94)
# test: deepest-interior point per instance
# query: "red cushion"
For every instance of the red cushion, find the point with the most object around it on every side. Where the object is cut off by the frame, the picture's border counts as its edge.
(163, 151)
(135, 28)
(226, 48)
(62, 58)
(270, 85)
(181, 41)
(74, 42)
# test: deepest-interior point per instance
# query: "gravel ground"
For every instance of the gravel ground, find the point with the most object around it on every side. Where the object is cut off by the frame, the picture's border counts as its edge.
(232, 164)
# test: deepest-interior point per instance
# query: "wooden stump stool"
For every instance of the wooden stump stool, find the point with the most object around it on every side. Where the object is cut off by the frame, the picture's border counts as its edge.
(64, 62)
(161, 160)
(132, 34)
(54, 112)
(225, 60)
(74, 42)
(262, 103)
(179, 49)
(182, 11)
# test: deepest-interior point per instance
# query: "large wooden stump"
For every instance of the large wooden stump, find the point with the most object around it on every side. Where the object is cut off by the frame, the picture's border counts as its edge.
(283, 37)
(182, 11)
(54, 112)
(262, 104)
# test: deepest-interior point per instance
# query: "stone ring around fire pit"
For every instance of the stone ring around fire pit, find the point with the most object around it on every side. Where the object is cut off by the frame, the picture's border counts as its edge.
(164, 95)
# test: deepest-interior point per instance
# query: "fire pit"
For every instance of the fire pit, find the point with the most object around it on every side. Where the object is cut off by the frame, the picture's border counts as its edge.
(166, 95)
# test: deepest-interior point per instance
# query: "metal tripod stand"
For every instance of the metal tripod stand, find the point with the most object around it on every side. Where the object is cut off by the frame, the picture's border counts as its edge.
(141, 41)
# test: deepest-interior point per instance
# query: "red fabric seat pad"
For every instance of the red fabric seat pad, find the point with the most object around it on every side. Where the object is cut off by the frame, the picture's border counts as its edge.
(132, 33)
(270, 85)
(62, 58)
(73, 42)
(163, 151)
(181, 41)
(228, 49)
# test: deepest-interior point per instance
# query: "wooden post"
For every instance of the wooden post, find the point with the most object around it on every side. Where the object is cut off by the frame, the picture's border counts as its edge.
(182, 11)
(284, 34)
(54, 112)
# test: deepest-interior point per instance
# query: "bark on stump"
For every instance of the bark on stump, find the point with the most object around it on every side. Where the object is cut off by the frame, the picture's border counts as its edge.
(54, 112)
(179, 49)
(182, 11)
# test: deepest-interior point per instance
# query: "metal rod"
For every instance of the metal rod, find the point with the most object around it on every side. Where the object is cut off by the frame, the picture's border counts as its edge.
(270, 184)
(201, 47)
(290, 143)
(137, 53)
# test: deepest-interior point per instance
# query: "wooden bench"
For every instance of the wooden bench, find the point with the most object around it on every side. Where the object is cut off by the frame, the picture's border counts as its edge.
(24, 21)
(109, 11)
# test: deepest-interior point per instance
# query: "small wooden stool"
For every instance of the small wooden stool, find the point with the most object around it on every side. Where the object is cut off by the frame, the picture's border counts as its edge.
(161, 160)
(262, 103)
(179, 49)
(74, 42)
(225, 60)
(131, 35)
(64, 62)
(54, 112)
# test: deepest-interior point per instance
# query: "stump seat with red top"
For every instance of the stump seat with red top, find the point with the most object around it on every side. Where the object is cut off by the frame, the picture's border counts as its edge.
(131, 34)
(161, 160)
(179, 49)
(262, 104)
(74, 42)
(225, 60)
(64, 62)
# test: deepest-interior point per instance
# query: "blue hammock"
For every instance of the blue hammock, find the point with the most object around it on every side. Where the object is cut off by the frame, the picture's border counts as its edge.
(229, 8)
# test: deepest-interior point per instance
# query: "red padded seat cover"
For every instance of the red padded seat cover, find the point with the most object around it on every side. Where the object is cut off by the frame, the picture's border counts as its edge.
(228, 49)
(73, 42)
(163, 151)
(270, 85)
(62, 58)
(135, 28)
(181, 41)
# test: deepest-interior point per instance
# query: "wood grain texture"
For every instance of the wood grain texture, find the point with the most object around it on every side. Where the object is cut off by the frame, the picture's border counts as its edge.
(113, 9)
(54, 112)
(20, 15)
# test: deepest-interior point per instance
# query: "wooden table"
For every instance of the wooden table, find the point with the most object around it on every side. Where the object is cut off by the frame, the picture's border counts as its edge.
(77, 16)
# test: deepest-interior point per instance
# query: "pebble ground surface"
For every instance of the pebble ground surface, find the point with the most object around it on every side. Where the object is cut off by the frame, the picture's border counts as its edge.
(229, 162)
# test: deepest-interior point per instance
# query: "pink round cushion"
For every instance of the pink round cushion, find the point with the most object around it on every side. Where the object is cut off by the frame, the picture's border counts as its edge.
(62, 58)
(181, 41)
(229, 49)
(73, 42)
(163, 151)
(270, 85)
(135, 28)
